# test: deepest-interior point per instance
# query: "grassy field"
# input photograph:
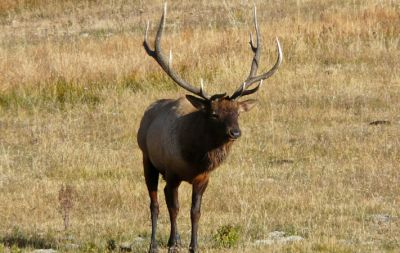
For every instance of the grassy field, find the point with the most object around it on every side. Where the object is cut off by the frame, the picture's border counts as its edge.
(75, 81)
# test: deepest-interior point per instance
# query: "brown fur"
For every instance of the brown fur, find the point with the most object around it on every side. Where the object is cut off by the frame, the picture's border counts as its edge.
(179, 139)
(184, 140)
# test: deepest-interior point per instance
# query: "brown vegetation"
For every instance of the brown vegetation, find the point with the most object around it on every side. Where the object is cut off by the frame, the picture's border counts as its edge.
(74, 81)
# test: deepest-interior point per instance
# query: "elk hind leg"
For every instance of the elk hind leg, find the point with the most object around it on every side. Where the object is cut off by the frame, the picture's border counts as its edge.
(171, 197)
(151, 176)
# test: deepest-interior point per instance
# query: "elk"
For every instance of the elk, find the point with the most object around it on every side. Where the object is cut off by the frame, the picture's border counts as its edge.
(185, 139)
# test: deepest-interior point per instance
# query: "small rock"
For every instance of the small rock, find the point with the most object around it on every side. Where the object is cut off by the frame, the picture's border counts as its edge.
(125, 247)
(293, 238)
(276, 235)
(381, 218)
(44, 251)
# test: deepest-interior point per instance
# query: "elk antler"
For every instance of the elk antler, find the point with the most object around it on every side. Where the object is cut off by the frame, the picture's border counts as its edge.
(166, 65)
(252, 78)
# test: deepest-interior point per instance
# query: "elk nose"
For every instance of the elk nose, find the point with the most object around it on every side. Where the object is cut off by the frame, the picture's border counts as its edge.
(234, 133)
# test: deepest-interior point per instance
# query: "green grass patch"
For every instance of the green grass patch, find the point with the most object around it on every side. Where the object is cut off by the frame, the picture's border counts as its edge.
(227, 236)
(51, 96)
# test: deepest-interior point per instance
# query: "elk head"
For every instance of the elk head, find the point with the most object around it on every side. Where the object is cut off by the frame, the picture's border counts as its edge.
(221, 110)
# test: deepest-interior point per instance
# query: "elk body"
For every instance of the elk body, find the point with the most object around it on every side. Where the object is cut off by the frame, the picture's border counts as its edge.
(185, 139)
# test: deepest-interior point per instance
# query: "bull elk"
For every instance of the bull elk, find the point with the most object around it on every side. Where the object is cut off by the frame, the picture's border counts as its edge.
(185, 139)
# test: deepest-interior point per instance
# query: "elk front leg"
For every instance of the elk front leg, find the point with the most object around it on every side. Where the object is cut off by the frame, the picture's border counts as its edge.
(151, 175)
(198, 189)
(171, 197)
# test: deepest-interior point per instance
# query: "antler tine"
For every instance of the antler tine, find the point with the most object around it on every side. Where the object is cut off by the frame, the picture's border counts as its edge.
(158, 55)
(242, 90)
(270, 72)
(202, 92)
(147, 29)
(256, 59)
(256, 49)
(248, 92)
(146, 44)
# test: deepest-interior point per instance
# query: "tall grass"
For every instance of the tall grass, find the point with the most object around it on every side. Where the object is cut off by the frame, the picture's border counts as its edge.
(74, 82)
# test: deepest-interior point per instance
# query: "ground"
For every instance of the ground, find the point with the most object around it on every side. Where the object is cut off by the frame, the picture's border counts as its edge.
(319, 156)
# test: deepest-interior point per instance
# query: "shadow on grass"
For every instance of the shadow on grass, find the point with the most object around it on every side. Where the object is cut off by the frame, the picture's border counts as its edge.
(23, 240)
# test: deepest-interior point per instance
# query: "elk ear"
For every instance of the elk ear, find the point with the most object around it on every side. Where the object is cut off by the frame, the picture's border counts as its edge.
(198, 103)
(247, 105)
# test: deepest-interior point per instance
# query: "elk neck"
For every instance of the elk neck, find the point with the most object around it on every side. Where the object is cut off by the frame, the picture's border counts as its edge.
(202, 145)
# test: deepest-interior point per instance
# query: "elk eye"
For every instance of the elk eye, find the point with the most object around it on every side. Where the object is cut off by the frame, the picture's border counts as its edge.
(214, 115)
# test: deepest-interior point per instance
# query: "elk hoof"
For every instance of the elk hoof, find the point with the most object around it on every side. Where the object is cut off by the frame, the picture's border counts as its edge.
(153, 248)
(173, 249)
(175, 242)
(178, 241)
(192, 249)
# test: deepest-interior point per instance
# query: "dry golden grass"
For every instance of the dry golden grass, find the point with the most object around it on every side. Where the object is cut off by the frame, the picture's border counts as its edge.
(74, 82)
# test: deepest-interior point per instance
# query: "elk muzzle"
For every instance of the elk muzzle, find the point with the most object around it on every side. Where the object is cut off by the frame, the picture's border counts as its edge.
(234, 133)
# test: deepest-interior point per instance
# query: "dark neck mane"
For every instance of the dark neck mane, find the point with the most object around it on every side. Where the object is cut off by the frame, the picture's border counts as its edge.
(201, 145)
